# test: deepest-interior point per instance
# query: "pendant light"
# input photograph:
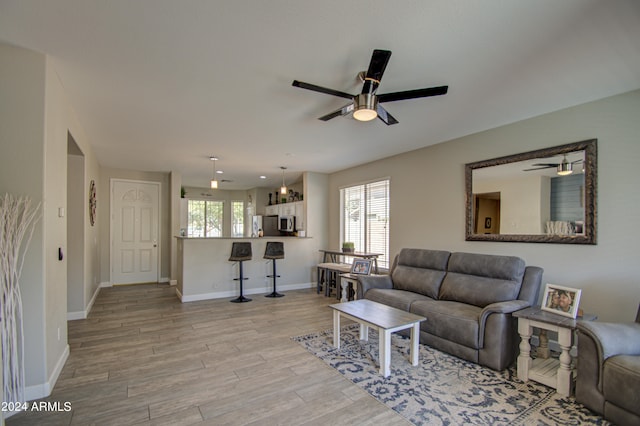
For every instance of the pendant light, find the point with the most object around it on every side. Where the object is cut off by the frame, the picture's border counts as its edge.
(283, 188)
(214, 182)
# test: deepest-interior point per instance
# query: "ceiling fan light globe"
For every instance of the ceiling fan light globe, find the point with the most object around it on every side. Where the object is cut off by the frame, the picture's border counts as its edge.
(564, 169)
(365, 114)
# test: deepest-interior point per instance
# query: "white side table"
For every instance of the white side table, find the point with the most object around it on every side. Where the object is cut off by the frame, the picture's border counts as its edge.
(346, 281)
(555, 373)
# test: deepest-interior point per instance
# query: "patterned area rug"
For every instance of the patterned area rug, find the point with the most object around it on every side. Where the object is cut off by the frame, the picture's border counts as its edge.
(443, 389)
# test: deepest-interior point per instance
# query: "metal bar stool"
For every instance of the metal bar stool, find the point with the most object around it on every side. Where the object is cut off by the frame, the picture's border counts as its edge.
(239, 253)
(273, 251)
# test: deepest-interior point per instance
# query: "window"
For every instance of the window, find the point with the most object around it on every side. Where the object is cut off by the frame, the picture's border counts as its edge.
(365, 218)
(204, 218)
(237, 219)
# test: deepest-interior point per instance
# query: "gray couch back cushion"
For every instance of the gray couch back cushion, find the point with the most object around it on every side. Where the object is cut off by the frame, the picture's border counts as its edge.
(420, 271)
(480, 279)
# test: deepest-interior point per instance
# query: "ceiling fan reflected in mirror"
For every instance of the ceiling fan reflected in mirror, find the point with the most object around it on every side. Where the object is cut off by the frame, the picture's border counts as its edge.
(564, 168)
(365, 106)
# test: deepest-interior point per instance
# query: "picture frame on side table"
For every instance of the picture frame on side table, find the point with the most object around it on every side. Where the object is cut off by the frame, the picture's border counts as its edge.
(561, 300)
(361, 266)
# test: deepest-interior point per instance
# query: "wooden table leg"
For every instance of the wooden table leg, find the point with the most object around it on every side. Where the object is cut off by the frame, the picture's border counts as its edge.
(543, 349)
(415, 340)
(364, 332)
(336, 329)
(524, 359)
(564, 370)
(344, 284)
(384, 347)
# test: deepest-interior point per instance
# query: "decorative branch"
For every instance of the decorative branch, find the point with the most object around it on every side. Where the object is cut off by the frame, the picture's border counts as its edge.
(17, 221)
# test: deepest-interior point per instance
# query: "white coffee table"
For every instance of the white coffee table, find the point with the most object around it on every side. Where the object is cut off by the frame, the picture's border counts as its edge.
(385, 319)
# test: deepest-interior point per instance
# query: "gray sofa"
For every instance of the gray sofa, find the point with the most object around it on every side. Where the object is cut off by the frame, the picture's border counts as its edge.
(608, 379)
(467, 299)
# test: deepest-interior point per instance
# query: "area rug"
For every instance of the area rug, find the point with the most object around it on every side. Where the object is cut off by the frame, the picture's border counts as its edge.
(443, 389)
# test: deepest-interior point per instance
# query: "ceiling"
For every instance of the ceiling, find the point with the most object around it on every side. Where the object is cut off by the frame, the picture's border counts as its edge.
(161, 85)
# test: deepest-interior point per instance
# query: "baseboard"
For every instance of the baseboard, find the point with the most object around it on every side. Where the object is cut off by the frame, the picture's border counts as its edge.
(71, 316)
(226, 294)
(78, 315)
(164, 280)
(105, 284)
(43, 390)
(173, 282)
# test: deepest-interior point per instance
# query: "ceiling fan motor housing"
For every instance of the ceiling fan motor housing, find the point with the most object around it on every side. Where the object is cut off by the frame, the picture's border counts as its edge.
(365, 107)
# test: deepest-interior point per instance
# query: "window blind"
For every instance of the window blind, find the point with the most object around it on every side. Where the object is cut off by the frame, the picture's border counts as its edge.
(365, 218)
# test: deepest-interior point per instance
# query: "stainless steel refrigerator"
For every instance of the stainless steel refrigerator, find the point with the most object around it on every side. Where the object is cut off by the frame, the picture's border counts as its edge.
(268, 224)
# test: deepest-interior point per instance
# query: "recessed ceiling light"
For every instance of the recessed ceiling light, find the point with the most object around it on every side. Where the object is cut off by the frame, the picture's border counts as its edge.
(263, 177)
(219, 172)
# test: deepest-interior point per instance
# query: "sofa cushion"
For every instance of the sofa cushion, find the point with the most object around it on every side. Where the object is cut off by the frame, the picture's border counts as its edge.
(621, 374)
(454, 321)
(420, 271)
(480, 279)
(396, 298)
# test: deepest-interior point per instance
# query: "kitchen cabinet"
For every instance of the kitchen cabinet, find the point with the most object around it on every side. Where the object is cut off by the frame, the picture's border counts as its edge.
(289, 209)
(272, 210)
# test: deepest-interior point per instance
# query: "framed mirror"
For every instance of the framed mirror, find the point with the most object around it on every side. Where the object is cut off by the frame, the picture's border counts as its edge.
(542, 196)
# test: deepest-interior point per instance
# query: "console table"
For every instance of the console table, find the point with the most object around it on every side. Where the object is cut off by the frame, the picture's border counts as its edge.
(555, 373)
(331, 256)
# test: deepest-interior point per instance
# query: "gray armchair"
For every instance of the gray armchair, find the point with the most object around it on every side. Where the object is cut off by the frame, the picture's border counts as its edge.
(608, 379)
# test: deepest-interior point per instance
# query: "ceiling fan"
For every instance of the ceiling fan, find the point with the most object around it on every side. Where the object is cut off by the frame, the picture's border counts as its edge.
(564, 167)
(366, 105)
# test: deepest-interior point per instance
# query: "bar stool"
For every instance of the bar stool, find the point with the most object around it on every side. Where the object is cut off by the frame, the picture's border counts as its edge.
(273, 251)
(239, 253)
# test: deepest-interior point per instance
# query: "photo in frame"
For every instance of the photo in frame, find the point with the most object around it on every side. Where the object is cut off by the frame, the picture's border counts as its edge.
(361, 266)
(561, 300)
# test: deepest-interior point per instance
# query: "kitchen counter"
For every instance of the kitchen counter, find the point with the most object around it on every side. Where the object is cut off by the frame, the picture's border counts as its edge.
(239, 238)
(205, 272)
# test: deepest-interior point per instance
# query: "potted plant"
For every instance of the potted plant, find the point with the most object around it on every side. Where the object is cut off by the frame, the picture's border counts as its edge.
(348, 247)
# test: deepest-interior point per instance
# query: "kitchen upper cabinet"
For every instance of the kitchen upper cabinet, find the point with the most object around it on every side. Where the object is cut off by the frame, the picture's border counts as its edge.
(272, 210)
(288, 209)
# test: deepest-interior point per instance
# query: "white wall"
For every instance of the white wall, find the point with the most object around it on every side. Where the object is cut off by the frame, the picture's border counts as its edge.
(35, 118)
(522, 210)
(75, 234)
(428, 199)
(21, 173)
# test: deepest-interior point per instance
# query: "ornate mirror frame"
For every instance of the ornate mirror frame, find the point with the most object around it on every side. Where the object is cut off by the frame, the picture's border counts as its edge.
(590, 185)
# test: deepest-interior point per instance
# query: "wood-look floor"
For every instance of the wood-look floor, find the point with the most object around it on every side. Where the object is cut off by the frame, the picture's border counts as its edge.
(142, 357)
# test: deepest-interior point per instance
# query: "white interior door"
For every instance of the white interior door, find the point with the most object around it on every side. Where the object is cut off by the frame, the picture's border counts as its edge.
(134, 231)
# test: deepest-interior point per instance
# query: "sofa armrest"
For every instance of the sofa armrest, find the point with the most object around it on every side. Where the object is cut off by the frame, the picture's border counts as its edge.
(531, 282)
(367, 282)
(507, 307)
(598, 341)
(613, 338)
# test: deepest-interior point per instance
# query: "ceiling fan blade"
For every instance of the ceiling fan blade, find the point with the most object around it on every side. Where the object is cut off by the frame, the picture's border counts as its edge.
(539, 168)
(412, 94)
(386, 118)
(546, 164)
(377, 65)
(320, 89)
(342, 111)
